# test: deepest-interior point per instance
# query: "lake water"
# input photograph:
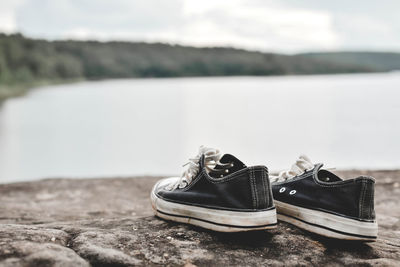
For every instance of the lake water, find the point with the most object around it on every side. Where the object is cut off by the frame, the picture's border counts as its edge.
(151, 126)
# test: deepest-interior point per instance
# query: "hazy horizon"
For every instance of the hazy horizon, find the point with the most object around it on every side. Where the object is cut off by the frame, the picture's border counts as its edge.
(287, 27)
(206, 46)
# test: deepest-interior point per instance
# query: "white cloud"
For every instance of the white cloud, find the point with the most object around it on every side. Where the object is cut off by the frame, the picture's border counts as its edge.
(363, 32)
(263, 26)
(235, 23)
(8, 23)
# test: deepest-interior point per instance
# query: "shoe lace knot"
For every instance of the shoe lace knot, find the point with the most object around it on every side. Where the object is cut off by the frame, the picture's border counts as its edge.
(211, 159)
(302, 164)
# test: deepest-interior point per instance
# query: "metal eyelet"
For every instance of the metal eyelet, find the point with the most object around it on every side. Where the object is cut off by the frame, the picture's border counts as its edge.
(292, 192)
(283, 189)
(226, 170)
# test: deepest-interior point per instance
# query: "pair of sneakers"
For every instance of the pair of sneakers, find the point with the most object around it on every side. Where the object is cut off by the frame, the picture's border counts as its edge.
(219, 192)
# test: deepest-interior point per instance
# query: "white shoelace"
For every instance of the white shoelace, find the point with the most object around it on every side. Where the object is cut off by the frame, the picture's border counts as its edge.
(211, 159)
(302, 164)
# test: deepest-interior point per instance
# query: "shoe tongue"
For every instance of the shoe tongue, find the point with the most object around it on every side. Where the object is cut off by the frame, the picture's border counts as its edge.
(237, 164)
(227, 158)
(325, 175)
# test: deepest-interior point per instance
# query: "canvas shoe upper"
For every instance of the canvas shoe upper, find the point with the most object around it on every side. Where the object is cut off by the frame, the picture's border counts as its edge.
(319, 201)
(218, 192)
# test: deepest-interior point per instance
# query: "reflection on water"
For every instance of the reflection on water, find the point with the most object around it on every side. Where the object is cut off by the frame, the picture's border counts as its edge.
(151, 126)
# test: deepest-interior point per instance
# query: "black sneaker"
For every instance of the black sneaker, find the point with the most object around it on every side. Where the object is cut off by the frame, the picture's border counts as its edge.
(319, 201)
(218, 193)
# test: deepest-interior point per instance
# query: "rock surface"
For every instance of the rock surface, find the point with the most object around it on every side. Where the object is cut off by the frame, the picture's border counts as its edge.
(109, 222)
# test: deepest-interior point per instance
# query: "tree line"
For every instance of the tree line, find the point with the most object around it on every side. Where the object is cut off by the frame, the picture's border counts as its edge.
(25, 61)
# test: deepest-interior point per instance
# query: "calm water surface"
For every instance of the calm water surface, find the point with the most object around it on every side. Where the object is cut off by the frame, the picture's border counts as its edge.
(151, 126)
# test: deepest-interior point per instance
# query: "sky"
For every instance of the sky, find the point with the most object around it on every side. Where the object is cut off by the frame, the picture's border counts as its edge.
(285, 26)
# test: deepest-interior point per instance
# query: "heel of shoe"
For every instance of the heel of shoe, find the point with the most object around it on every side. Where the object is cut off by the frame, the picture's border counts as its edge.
(261, 190)
(366, 201)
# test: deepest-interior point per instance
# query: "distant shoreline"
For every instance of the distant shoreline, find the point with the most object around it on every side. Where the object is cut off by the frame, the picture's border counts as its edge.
(17, 90)
(10, 91)
(26, 63)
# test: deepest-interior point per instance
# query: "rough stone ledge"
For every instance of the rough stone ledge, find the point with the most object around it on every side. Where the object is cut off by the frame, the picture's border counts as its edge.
(109, 222)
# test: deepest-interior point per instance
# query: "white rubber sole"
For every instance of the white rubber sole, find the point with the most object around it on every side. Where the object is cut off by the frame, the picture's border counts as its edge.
(214, 219)
(327, 224)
